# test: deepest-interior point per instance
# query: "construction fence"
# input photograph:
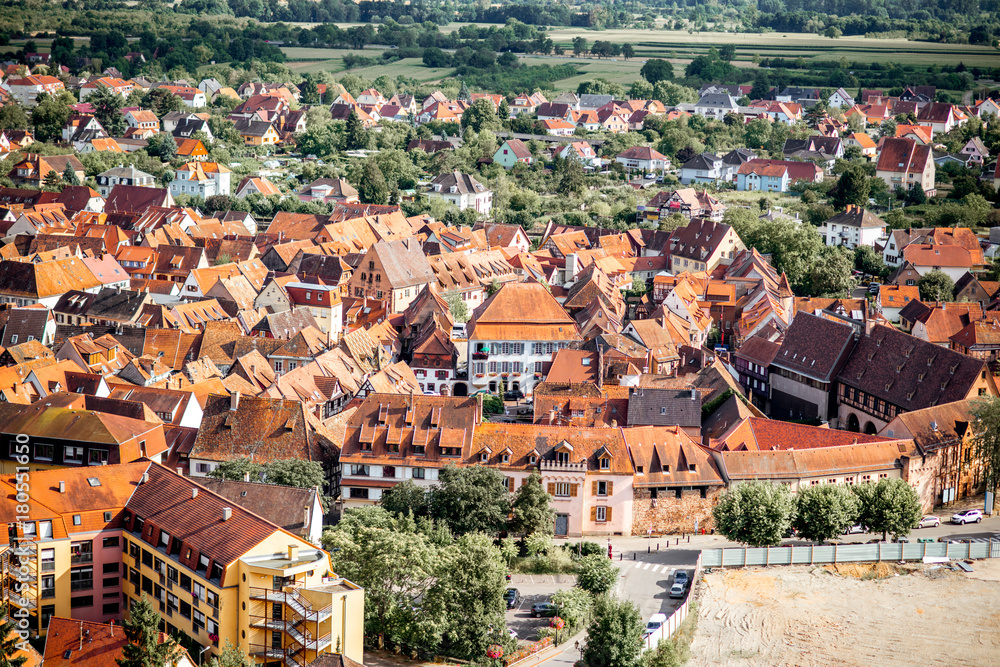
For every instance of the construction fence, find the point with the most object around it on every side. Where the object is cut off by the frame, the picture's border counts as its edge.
(848, 553)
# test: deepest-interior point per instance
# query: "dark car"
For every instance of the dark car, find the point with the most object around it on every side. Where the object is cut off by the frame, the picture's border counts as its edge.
(513, 395)
(513, 597)
(542, 609)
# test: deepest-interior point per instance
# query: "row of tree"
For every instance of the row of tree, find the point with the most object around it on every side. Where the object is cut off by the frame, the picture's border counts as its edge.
(762, 513)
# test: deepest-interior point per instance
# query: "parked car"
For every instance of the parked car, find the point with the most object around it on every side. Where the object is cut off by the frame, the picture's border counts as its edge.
(513, 395)
(929, 521)
(854, 530)
(656, 621)
(678, 590)
(513, 597)
(873, 288)
(542, 609)
(967, 516)
(681, 577)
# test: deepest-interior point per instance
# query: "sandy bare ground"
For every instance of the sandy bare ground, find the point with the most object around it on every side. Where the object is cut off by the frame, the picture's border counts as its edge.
(808, 616)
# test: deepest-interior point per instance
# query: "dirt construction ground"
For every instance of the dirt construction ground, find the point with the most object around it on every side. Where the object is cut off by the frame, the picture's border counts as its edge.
(859, 615)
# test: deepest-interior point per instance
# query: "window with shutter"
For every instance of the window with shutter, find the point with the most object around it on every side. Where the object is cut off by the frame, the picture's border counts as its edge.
(593, 486)
(573, 490)
(607, 514)
(593, 514)
(552, 488)
(611, 488)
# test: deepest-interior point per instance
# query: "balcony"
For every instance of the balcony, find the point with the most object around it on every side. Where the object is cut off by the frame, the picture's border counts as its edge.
(480, 356)
(81, 559)
(560, 466)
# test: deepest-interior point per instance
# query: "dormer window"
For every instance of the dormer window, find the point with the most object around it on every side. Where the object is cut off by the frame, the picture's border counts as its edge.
(483, 457)
(453, 189)
(605, 463)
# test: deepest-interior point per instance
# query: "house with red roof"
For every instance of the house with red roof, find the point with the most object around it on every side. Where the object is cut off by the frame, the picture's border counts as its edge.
(903, 163)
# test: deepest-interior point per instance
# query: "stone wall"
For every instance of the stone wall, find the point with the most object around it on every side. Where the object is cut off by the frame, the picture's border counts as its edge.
(668, 514)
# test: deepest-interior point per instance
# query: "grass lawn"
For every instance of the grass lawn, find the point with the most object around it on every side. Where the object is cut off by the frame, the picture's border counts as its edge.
(408, 67)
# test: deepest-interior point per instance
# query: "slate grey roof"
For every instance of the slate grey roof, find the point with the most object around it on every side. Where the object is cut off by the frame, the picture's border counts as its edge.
(284, 506)
(717, 101)
(24, 322)
(595, 101)
(664, 407)
(703, 161)
(404, 263)
(815, 346)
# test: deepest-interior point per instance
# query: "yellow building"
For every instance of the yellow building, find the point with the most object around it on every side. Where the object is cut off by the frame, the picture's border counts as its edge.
(217, 571)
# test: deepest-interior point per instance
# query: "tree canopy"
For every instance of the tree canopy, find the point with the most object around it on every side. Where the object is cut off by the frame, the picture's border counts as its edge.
(614, 636)
(754, 513)
(823, 512)
(890, 507)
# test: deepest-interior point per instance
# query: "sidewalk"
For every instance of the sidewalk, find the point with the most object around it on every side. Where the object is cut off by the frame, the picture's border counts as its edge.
(564, 655)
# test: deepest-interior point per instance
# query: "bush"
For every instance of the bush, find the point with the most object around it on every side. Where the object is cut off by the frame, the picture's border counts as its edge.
(583, 549)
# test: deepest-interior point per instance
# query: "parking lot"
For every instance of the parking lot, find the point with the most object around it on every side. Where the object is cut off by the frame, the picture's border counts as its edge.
(520, 621)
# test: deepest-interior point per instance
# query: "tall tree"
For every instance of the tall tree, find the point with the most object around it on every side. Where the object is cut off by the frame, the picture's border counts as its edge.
(355, 135)
(853, 188)
(10, 641)
(161, 145)
(755, 513)
(295, 472)
(986, 439)
(628, 51)
(372, 189)
(142, 632)
(823, 512)
(481, 115)
(891, 507)
(614, 636)
(405, 498)
(532, 508)
(49, 117)
(830, 273)
(69, 175)
(108, 110)
(53, 181)
(471, 499)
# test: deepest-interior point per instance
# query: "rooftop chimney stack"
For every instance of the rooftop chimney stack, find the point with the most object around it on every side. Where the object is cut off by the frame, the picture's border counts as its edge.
(226, 513)
(194, 493)
(293, 551)
(62, 487)
(234, 401)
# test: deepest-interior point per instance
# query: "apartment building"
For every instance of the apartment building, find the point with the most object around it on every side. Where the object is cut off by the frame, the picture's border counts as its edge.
(217, 571)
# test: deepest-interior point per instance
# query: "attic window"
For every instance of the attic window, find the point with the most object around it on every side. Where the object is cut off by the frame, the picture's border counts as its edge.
(692, 468)
(532, 459)
(93, 481)
(506, 458)
(483, 457)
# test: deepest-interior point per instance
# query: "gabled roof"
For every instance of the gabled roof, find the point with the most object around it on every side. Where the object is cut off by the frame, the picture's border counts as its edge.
(814, 346)
(664, 407)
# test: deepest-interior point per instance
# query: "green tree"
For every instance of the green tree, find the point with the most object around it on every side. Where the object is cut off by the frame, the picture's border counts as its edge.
(575, 606)
(531, 511)
(295, 472)
(373, 189)
(471, 499)
(396, 565)
(49, 117)
(355, 135)
(405, 498)
(13, 117)
(458, 308)
(891, 507)
(579, 46)
(628, 51)
(597, 575)
(503, 111)
(936, 285)
(854, 187)
(656, 69)
(69, 175)
(986, 439)
(10, 641)
(823, 512)
(816, 114)
(161, 101)
(793, 246)
(831, 272)
(108, 110)
(481, 116)
(755, 513)
(142, 635)
(162, 145)
(887, 128)
(469, 595)
(867, 261)
(53, 181)
(758, 133)
(571, 180)
(309, 91)
(614, 636)
(237, 469)
(231, 656)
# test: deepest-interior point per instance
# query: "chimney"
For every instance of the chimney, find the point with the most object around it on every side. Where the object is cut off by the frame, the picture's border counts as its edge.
(194, 493)
(62, 487)
(305, 519)
(246, 477)
(293, 551)
(226, 513)
(234, 401)
(145, 478)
